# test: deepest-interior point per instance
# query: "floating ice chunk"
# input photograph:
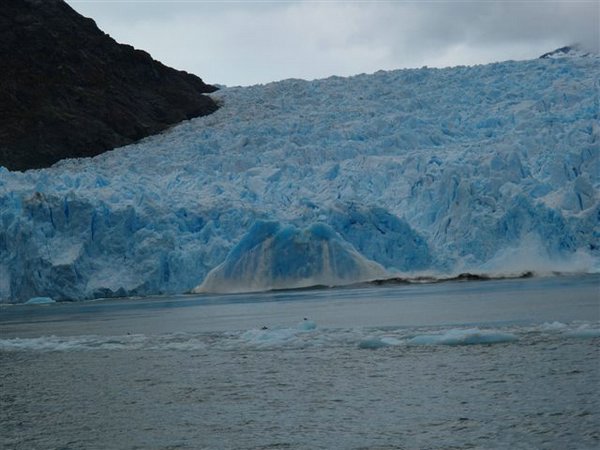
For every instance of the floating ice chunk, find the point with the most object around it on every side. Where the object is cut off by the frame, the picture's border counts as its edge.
(553, 326)
(273, 256)
(39, 301)
(584, 332)
(463, 337)
(307, 325)
(375, 342)
(390, 340)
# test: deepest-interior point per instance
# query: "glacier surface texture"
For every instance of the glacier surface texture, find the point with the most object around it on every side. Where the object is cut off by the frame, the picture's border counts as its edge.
(487, 169)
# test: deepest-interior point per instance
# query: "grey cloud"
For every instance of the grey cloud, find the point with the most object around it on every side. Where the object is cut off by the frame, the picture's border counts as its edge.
(427, 30)
(250, 42)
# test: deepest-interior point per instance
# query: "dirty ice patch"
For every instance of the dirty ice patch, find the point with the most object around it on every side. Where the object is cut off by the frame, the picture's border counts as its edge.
(276, 256)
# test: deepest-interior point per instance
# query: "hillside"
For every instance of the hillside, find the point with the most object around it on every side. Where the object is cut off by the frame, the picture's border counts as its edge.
(69, 90)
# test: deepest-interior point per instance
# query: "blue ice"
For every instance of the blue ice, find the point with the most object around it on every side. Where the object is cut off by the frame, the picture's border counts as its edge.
(492, 168)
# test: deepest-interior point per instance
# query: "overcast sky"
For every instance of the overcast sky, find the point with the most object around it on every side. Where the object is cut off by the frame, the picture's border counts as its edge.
(248, 42)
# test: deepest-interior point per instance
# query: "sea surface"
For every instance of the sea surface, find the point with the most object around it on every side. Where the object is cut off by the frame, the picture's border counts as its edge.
(505, 364)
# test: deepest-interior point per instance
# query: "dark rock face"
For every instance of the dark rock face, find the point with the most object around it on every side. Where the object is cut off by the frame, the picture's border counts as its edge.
(69, 90)
(575, 50)
(557, 52)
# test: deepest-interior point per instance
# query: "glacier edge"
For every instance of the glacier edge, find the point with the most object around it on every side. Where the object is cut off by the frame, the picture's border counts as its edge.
(440, 171)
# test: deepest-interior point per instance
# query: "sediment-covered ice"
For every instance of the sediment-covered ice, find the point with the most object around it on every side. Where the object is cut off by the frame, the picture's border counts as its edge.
(426, 170)
(272, 256)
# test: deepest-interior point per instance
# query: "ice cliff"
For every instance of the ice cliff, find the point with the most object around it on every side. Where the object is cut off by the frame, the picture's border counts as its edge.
(489, 168)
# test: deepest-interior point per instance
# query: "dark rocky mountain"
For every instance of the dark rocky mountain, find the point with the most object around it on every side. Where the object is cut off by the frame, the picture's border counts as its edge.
(569, 51)
(69, 90)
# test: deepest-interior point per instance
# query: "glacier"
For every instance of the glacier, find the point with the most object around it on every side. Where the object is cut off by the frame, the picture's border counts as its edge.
(486, 169)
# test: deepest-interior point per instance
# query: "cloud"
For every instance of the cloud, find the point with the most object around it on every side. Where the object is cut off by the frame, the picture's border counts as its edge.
(256, 42)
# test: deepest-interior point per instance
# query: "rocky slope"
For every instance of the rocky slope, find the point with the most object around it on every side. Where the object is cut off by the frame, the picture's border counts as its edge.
(69, 90)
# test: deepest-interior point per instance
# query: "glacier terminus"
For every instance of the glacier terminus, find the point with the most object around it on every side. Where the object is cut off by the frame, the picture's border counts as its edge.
(491, 169)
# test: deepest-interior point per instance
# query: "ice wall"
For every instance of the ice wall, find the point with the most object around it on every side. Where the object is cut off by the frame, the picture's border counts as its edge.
(426, 170)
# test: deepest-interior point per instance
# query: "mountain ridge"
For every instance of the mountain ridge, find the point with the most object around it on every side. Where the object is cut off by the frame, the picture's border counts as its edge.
(569, 51)
(70, 90)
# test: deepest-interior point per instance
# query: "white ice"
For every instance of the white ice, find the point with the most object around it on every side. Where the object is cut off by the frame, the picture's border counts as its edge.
(469, 336)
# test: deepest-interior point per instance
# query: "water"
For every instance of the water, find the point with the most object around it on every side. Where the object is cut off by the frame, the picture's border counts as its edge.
(494, 364)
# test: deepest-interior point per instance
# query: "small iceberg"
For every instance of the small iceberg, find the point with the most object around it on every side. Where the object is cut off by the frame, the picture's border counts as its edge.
(307, 325)
(375, 342)
(471, 336)
(553, 326)
(584, 332)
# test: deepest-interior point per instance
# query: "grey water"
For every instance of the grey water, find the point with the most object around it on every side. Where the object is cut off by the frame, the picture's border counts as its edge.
(458, 365)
